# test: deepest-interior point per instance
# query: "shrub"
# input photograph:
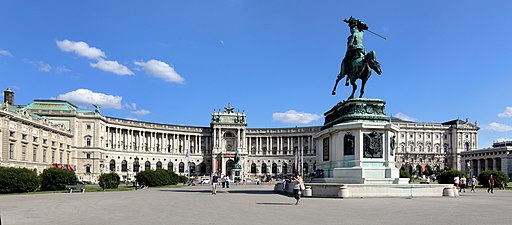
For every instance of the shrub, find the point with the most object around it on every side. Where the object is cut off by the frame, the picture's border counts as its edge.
(182, 179)
(56, 179)
(157, 177)
(17, 180)
(499, 176)
(446, 177)
(109, 180)
(404, 173)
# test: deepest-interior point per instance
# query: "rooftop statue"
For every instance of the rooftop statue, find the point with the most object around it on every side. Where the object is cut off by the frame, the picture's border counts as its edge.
(357, 64)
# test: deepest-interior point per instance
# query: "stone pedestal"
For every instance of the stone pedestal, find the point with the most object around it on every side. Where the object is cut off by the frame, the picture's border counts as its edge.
(356, 145)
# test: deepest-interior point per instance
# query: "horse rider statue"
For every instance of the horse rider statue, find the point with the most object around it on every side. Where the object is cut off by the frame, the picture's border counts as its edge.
(357, 64)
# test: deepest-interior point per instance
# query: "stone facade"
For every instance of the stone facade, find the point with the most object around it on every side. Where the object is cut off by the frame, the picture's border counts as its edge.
(96, 143)
(499, 157)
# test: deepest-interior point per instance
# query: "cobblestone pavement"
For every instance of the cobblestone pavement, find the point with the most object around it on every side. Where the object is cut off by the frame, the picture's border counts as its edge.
(250, 204)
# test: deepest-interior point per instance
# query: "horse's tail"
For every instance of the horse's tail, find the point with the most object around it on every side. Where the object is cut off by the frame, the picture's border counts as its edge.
(371, 58)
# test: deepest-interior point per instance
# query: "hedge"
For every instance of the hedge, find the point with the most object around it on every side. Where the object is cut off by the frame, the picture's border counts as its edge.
(404, 173)
(157, 177)
(446, 177)
(56, 179)
(499, 176)
(109, 180)
(17, 180)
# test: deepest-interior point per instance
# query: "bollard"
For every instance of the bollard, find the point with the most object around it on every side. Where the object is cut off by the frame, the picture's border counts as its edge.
(448, 192)
(343, 192)
(308, 192)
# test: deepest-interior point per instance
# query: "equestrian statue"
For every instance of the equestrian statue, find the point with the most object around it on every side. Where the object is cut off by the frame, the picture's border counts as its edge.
(357, 64)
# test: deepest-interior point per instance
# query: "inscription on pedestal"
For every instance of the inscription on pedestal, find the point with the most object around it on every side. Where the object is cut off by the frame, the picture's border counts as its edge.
(372, 146)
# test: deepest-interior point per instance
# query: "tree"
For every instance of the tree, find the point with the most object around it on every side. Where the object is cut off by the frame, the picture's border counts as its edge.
(446, 177)
(56, 179)
(109, 180)
(17, 180)
(498, 175)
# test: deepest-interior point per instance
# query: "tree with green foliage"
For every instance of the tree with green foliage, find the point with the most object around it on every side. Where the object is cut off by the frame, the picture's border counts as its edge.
(447, 176)
(404, 173)
(157, 177)
(56, 179)
(17, 180)
(109, 180)
(498, 175)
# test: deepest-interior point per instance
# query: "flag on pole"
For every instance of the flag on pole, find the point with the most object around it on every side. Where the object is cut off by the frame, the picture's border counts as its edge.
(187, 158)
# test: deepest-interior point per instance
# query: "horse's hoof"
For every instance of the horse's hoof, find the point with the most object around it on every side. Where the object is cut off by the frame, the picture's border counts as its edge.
(346, 84)
(333, 93)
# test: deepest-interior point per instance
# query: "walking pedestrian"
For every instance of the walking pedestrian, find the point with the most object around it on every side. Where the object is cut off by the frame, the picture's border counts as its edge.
(297, 187)
(215, 181)
(491, 184)
(473, 184)
(463, 182)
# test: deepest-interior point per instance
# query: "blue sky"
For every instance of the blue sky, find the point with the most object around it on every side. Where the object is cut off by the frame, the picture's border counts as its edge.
(176, 61)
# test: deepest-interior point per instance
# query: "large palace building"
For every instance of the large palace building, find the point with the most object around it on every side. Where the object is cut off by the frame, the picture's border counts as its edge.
(54, 133)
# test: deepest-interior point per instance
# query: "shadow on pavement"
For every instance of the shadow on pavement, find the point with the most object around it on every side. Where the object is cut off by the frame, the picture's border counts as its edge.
(275, 203)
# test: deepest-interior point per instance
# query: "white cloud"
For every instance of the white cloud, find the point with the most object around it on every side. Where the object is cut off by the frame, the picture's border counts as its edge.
(5, 53)
(81, 48)
(112, 66)
(129, 118)
(294, 117)
(161, 70)
(85, 97)
(498, 127)
(404, 117)
(43, 67)
(141, 112)
(130, 106)
(507, 113)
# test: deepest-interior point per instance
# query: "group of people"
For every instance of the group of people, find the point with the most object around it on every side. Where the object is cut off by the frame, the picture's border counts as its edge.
(215, 182)
(461, 183)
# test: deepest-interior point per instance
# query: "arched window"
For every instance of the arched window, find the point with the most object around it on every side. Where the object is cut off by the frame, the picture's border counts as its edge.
(274, 168)
(112, 165)
(159, 165)
(201, 168)
(285, 168)
(253, 168)
(170, 166)
(136, 165)
(181, 168)
(192, 168)
(467, 146)
(264, 168)
(147, 165)
(124, 166)
(403, 148)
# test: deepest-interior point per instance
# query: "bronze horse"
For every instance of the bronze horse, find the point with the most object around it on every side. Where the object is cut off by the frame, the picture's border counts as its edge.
(361, 68)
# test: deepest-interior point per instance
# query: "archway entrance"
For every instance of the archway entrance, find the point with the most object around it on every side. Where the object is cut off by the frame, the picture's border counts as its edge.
(230, 165)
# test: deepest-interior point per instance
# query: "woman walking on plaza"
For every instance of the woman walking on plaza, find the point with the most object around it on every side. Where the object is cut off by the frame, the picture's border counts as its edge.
(297, 187)
(473, 184)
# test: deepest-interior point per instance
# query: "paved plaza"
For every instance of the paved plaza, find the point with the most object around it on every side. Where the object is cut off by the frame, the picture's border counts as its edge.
(250, 204)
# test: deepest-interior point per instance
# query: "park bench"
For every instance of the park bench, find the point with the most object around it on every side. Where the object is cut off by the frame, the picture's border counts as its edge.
(75, 187)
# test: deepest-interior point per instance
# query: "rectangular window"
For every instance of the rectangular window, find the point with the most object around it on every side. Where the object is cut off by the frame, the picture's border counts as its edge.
(53, 143)
(88, 169)
(45, 141)
(11, 133)
(34, 155)
(326, 149)
(53, 156)
(68, 158)
(24, 152)
(35, 139)
(61, 145)
(44, 155)
(24, 136)
(88, 155)
(60, 157)
(88, 126)
(11, 151)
